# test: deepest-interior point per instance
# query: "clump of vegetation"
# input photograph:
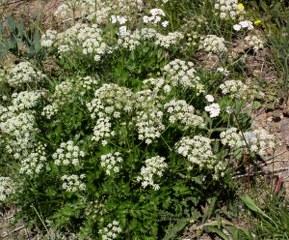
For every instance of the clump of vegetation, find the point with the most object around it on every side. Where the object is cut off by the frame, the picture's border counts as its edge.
(131, 137)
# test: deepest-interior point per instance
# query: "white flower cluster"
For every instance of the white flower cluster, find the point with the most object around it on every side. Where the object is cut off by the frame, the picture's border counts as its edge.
(254, 42)
(157, 84)
(63, 10)
(181, 73)
(66, 91)
(127, 39)
(50, 110)
(25, 100)
(17, 132)
(197, 150)
(235, 89)
(35, 162)
(149, 124)
(67, 154)
(48, 38)
(166, 41)
(111, 231)
(243, 25)
(82, 36)
(111, 100)
(131, 40)
(223, 70)
(118, 19)
(228, 9)
(23, 73)
(232, 138)
(154, 167)
(182, 112)
(102, 130)
(156, 15)
(110, 162)
(213, 44)
(73, 183)
(213, 109)
(210, 98)
(260, 141)
(94, 209)
(6, 188)
(148, 99)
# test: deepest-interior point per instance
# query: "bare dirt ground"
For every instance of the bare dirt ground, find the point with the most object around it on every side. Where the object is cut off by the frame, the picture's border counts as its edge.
(32, 11)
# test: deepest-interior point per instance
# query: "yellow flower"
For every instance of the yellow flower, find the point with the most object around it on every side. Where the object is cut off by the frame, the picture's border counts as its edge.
(257, 22)
(241, 6)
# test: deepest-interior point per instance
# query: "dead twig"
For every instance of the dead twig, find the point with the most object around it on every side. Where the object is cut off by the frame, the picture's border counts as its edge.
(15, 230)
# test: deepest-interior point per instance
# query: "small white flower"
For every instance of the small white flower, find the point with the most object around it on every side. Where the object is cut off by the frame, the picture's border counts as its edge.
(237, 27)
(165, 24)
(210, 98)
(213, 109)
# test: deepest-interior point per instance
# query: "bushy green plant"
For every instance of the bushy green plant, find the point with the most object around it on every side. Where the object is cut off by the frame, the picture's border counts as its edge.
(132, 139)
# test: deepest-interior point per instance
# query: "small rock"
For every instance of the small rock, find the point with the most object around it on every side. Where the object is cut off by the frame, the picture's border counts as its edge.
(270, 106)
(286, 113)
(284, 129)
(276, 115)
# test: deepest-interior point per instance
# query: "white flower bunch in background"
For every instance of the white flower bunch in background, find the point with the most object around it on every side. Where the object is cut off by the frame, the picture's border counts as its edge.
(235, 89)
(259, 141)
(243, 25)
(255, 42)
(67, 154)
(84, 9)
(228, 9)
(118, 19)
(183, 74)
(232, 138)
(6, 188)
(166, 41)
(88, 38)
(127, 39)
(110, 162)
(62, 95)
(147, 99)
(197, 150)
(48, 38)
(65, 9)
(35, 162)
(157, 84)
(111, 100)
(23, 73)
(66, 91)
(17, 132)
(103, 130)
(111, 231)
(223, 71)
(154, 167)
(156, 16)
(149, 124)
(213, 44)
(73, 183)
(180, 111)
(25, 100)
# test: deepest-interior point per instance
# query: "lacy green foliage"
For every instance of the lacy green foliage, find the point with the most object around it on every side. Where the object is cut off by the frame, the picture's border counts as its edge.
(132, 139)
